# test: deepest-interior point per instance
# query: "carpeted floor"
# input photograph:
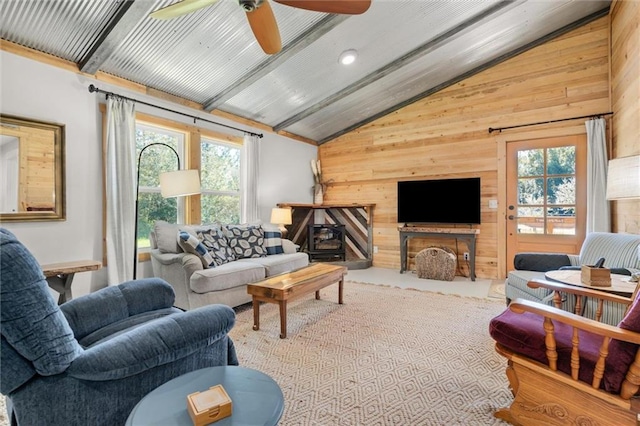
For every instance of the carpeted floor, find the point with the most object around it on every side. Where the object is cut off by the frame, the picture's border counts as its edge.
(388, 356)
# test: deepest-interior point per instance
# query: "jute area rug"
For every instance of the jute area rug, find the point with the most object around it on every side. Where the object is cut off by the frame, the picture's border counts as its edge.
(387, 356)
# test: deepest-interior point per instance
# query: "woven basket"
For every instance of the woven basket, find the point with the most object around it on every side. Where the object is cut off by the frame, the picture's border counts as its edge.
(436, 263)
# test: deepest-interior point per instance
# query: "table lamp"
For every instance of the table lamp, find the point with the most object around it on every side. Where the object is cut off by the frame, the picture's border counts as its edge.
(281, 217)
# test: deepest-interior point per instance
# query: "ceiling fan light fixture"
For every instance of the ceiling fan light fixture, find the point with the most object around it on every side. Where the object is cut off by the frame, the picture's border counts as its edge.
(348, 57)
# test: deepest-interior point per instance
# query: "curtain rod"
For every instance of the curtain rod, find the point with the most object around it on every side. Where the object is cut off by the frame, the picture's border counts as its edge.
(499, 129)
(93, 88)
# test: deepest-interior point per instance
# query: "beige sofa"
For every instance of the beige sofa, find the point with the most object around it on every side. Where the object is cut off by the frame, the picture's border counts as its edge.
(232, 261)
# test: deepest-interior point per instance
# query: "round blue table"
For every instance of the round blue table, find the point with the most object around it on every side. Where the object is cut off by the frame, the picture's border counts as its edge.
(256, 398)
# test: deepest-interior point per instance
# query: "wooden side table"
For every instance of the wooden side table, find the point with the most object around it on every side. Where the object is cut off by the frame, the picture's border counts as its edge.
(620, 284)
(60, 275)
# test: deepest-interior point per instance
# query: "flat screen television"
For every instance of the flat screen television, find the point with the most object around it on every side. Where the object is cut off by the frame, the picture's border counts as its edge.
(442, 201)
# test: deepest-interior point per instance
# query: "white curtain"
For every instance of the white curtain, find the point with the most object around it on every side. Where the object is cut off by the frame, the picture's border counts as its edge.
(597, 204)
(121, 188)
(249, 166)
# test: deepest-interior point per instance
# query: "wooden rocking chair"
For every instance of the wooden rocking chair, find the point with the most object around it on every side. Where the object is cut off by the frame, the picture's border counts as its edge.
(565, 369)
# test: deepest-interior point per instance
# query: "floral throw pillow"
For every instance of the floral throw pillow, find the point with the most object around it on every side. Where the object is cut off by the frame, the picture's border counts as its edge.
(217, 245)
(246, 241)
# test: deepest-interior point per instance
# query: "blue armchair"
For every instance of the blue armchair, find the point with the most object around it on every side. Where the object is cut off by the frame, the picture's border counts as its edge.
(90, 360)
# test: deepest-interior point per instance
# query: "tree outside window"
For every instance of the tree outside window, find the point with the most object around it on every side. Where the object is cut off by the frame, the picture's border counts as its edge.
(220, 181)
(154, 161)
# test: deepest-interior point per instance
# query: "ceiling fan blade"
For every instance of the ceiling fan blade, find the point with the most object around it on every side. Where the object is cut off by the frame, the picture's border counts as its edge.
(265, 28)
(180, 8)
(347, 7)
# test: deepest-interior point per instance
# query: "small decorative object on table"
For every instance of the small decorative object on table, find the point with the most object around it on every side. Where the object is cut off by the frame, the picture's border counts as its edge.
(319, 185)
(209, 406)
(596, 275)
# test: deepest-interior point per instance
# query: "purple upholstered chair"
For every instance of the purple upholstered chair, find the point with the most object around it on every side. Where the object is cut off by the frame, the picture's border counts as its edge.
(567, 369)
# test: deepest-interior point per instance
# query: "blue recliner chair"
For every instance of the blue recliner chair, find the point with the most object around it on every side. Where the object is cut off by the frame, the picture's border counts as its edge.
(90, 360)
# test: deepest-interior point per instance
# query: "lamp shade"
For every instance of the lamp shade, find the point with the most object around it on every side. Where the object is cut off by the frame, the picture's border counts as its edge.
(281, 216)
(179, 183)
(623, 178)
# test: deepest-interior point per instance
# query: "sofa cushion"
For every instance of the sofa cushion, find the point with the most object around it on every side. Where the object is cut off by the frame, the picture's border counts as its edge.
(272, 240)
(280, 263)
(223, 277)
(191, 244)
(246, 241)
(517, 280)
(218, 245)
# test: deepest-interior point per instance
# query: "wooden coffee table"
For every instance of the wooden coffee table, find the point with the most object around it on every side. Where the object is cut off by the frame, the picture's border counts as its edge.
(291, 285)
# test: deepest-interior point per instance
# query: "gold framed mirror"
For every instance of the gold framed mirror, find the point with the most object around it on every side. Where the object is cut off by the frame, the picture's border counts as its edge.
(32, 184)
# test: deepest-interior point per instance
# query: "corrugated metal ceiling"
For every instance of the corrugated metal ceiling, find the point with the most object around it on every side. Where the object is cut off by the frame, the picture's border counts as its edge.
(406, 49)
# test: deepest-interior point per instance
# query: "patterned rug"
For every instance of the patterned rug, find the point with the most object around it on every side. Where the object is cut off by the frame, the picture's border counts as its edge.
(388, 356)
(497, 291)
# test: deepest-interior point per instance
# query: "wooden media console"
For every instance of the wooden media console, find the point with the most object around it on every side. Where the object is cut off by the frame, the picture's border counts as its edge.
(467, 235)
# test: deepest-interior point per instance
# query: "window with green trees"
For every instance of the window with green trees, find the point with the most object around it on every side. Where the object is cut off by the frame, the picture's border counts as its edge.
(220, 180)
(154, 161)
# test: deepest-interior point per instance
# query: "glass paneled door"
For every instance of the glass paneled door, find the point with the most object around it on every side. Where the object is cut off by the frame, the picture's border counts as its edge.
(546, 195)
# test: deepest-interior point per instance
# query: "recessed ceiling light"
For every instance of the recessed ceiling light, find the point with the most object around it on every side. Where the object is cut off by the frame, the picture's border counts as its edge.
(348, 57)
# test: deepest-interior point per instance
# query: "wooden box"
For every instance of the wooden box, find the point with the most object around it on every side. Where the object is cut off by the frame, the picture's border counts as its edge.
(596, 277)
(209, 406)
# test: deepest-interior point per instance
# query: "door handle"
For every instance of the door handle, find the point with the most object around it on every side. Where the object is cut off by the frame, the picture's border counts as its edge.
(511, 217)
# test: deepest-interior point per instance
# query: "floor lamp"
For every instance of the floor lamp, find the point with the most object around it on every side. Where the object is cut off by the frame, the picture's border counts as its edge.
(172, 184)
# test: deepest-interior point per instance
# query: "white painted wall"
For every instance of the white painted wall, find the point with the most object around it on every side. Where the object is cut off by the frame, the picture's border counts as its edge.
(36, 90)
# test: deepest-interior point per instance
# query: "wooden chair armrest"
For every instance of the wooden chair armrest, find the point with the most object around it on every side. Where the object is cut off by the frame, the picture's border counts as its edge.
(579, 291)
(577, 321)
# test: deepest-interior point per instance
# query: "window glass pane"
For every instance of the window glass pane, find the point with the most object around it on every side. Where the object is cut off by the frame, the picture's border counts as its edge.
(530, 220)
(220, 208)
(561, 190)
(220, 174)
(561, 160)
(152, 207)
(220, 167)
(531, 191)
(530, 162)
(561, 221)
(155, 160)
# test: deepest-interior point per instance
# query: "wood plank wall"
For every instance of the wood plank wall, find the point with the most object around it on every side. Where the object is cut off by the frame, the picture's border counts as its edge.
(625, 101)
(446, 136)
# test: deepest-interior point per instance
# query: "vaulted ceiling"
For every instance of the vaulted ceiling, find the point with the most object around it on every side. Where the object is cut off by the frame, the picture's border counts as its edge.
(406, 51)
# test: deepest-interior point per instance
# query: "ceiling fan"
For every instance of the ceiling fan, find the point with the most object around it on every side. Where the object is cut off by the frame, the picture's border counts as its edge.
(261, 18)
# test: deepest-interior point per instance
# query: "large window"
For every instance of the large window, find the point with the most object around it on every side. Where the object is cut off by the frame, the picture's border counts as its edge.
(154, 161)
(220, 176)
